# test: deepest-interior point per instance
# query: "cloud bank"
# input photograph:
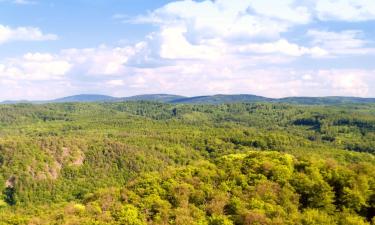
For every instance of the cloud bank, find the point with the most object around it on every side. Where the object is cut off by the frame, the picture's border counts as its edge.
(239, 46)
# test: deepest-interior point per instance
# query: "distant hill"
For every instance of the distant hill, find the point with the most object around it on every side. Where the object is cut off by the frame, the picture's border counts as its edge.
(84, 98)
(14, 102)
(153, 97)
(218, 99)
(214, 99)
(324, 100)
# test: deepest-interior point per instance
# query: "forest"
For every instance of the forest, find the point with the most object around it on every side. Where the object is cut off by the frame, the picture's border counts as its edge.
(140, 163)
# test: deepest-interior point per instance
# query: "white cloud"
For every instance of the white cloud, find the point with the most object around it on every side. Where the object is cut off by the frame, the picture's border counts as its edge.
(115, 83)
(214, 29)
(174, 45)
(348, 82)
(217, 30)
(246, 31)
(286, 10)
(283, 47)
(345, 10)
(90, 62)
(99, 61)
(216, 19)
(341, 43)
(35, 66)
(214, 47)
(202, 79)
(230, 74)
(33, 90)
(8, 34)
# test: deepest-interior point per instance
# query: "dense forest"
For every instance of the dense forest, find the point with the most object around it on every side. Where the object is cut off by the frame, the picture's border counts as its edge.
(138, 163)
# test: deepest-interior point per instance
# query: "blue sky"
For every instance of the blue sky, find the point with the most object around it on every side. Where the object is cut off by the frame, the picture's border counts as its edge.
(50, 49)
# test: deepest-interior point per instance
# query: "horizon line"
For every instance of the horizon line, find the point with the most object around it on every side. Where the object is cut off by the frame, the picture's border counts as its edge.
(182, 96)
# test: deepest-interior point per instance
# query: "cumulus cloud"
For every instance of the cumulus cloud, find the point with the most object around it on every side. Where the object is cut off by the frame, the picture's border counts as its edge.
(347, 82)
(341, 43)
(199, 79)
(212, 29)
(219, 19)
(102, 60)
(218, 30)
(8, 34)
(345, 10)
(33, 90)
(214, 47)
(283, 47)
(35, 66)
(174, 45)
(287, 10)
(186, 77)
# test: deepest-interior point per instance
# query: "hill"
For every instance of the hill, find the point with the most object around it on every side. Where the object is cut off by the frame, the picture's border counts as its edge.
(83, 98)
(214, 99)
(324, 100)
(165, 98)
(219, 99)
(141, 163)
(10, 102)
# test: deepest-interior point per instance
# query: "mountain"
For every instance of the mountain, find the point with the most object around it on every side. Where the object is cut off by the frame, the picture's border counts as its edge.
(166, 98)
(84, 98)
(213, 99)
(9, 102)
(324, 100)
(218, 99)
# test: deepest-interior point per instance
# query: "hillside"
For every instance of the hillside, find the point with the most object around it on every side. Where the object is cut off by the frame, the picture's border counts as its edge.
(165, 98)
(219, 99)
(156, 163)
(214, 99)
(82, 98)
(325, 100)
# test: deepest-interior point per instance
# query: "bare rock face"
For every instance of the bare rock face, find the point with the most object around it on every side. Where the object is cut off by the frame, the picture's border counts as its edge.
(11, 182)
(78, 161)
(65, 152)
(72, 157)
(58, 154)
(68, 157)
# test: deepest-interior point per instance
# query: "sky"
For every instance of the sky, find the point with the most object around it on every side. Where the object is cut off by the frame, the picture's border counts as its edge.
(274, 48)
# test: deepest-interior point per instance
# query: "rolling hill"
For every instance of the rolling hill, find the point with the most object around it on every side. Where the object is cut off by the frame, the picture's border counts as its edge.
(218, 99)
(213, 99)
(165, 98)
(150, 163)
(83, 98)
(325, 100)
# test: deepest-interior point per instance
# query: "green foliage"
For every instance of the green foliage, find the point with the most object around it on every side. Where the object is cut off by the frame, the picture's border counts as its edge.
(10, 195)
(128, 215)
(153, 163)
